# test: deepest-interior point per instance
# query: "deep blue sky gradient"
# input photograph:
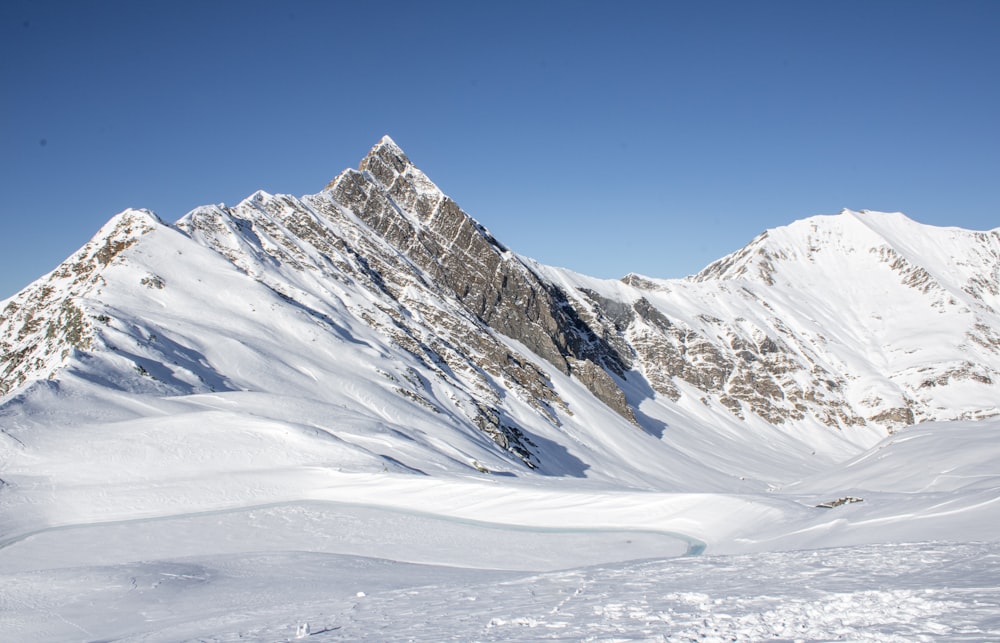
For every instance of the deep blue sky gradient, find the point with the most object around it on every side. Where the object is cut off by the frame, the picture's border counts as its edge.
(649, 137)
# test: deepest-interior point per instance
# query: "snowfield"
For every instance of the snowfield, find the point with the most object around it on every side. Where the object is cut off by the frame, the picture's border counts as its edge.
(169, 554)
(905, 592)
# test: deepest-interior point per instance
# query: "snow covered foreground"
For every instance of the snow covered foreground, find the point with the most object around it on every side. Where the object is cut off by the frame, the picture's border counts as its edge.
(911, 592)
(293, 551)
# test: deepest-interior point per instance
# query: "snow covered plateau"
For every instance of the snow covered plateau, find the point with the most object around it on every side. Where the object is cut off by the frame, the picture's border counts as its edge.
(356, 415)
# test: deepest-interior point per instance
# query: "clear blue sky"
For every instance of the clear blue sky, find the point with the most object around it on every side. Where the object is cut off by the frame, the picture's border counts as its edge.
(605, 137)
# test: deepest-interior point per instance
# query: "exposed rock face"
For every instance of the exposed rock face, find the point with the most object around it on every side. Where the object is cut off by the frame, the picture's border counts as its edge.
(746, 372)
(456, 253)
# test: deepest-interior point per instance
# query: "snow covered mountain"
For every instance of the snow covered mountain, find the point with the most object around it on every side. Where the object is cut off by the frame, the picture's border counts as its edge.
(204, 423)
(860, 322)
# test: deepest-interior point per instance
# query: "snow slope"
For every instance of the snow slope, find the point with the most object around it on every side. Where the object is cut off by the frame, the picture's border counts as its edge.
(397, 556)
(393, 555)
(306, 410)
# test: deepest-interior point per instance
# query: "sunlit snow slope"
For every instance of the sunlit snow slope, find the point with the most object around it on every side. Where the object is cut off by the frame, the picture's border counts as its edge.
(366, 372)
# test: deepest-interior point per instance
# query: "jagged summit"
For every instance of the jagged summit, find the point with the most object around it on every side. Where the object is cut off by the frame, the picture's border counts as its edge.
(386, 155)
(404, 207)
(386, 149)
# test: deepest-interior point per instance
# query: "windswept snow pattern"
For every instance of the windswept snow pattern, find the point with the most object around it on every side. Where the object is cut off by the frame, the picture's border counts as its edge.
(356, 415)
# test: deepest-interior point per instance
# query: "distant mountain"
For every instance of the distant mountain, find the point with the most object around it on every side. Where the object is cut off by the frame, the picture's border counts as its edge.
(379, 301)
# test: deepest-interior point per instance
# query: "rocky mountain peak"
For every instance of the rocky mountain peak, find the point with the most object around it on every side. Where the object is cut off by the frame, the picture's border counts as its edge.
(456, 252)
(386, 152)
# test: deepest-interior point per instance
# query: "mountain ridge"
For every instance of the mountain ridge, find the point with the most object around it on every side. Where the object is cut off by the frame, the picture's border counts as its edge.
(382, 258)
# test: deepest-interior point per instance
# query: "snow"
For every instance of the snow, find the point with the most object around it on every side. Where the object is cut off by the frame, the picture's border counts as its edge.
(158, 529)
(247, 453)
(900, 592)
